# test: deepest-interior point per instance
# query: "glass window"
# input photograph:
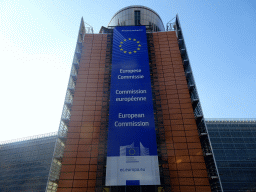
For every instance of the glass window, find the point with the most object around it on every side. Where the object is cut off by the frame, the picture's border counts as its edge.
(240, 146)
(228, 146)
(227, 140)
(216, 140)
(236, 134)
(137, 17)
(238, 140)
(247, 134)
(217, 145)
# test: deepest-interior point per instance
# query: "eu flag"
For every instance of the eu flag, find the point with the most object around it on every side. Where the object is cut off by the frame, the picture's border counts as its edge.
(133, 151)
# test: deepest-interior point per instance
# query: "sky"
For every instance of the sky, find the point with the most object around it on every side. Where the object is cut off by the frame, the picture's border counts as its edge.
(38, 39)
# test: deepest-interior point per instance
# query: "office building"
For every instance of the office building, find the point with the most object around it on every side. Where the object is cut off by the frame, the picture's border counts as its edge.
(25, 163)
(234, 146)
(132, 119)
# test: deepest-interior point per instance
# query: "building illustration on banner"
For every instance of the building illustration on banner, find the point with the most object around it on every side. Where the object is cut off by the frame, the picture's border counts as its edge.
(130, 150)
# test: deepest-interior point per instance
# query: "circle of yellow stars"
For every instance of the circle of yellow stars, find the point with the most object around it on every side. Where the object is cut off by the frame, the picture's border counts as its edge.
(129, 52)
(132, 151)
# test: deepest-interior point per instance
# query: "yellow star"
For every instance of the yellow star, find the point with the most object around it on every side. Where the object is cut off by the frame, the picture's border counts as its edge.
(139, 45)
(124, 39)
(121, 42)
(130, 39)
(138, 48)
(135, 51)
(134, 39)
(125, 51)
(130, 52)
(120, 45)
(121, 49)
(138, 42)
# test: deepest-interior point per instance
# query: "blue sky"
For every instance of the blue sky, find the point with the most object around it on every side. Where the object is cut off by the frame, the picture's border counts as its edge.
(38, 40)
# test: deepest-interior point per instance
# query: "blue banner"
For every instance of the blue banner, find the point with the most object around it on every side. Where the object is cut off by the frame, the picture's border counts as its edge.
(132, 151)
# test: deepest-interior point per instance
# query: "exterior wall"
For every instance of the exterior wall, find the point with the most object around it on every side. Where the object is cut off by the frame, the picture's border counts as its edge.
(234, 146)
(25, 165)
(79, 165)
(185, 159)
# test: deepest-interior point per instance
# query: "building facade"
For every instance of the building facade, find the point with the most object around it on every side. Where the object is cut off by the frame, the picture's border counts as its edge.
(25, 163)
(234, 146)
(183, 157)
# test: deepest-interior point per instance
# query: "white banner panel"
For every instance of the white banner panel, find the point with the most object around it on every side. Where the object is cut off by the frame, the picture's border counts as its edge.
(142, 170)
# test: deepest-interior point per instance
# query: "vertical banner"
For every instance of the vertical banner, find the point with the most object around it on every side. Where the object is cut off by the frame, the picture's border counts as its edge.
(132, 152)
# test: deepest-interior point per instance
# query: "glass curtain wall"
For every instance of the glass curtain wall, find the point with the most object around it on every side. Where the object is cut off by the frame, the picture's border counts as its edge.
(234, 146)
(25, 164)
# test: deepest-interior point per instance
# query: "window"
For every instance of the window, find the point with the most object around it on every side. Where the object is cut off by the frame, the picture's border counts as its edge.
(137, 17)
